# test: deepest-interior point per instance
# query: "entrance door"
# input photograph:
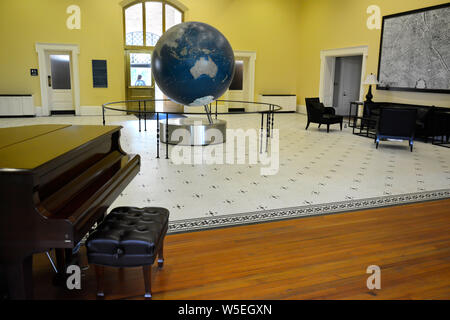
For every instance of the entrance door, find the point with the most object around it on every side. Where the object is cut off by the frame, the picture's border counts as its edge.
(139, 80)
(347, 83)
(239, 87)
(59, 82)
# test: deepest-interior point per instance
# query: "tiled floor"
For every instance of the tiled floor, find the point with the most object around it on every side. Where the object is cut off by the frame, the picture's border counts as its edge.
(315, 168)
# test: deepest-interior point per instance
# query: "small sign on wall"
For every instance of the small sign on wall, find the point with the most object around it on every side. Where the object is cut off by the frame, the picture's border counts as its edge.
(33, 72)
(99, 74)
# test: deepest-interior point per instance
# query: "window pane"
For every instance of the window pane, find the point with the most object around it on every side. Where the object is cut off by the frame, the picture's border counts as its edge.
(134, 26)
(173, 16)
(153, 22)
(237, 82)
(60, 69)
(140, 69)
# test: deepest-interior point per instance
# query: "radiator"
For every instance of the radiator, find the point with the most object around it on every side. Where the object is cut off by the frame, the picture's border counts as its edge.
(16, 105)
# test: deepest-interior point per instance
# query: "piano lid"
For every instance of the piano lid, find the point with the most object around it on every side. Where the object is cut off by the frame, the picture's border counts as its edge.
(30, 147)
(13, 135)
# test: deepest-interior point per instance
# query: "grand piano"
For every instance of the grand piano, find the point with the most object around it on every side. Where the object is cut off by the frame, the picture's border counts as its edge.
(56, 182)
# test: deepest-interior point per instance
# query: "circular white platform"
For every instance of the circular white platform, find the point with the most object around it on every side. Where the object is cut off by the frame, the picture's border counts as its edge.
(193, 131)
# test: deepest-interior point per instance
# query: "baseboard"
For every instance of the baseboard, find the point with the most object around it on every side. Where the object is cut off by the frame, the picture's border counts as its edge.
(91, 111)
(236, 109)
(62, 112)
(97, 110)
(301, 109)
(38, 111)
(19, 116)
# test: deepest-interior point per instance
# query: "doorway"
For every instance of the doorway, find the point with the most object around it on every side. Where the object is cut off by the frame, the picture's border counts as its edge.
(45, 70)
(59, 82)
(242, 86)
(347, 83)
(333, 62)
(238, 90)
(140, 84)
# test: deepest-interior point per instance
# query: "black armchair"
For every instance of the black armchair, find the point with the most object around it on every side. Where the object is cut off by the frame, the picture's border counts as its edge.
(396, 123)
(318, 113)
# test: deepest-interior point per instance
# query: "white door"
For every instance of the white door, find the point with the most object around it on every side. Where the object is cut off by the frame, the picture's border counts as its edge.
(59, 81)
(347, 83)
(239, 87)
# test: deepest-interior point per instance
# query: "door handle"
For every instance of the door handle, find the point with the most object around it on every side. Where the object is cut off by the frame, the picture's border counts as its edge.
(49, 78)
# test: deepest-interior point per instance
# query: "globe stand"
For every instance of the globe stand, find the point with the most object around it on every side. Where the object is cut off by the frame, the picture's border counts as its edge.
(208, 113)
(200, 133)
(193, 131)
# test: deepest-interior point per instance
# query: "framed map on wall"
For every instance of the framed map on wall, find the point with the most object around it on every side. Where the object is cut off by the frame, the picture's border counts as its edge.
(415, 51)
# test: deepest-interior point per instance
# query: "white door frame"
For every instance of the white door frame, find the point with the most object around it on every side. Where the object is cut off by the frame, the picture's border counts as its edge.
(333, 54)
(251, 55)
(74, 49)
(177, 3)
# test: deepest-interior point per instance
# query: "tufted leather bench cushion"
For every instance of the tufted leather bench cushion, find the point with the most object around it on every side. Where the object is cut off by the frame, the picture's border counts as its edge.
(128, 237)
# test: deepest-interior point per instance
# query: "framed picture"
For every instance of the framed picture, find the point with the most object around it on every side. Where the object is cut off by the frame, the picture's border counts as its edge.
(415, 51)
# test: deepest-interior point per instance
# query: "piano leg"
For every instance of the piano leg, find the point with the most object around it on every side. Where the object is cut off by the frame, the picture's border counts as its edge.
(60, 266)
(19, 277)
(60, 261)
(69, 257)
(64, 258)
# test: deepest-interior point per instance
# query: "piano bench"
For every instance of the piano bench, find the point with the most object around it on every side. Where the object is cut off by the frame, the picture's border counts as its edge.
(128, 237)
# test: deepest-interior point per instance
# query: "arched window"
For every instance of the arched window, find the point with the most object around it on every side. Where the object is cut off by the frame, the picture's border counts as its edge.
(145, 22)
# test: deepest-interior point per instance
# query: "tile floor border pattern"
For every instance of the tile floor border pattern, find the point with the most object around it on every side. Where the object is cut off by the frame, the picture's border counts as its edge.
(199, 224)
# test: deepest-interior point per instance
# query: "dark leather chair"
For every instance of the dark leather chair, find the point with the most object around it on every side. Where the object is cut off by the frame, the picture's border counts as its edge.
(426, 121)
(441, 126)
(396, 123)
(318, 113)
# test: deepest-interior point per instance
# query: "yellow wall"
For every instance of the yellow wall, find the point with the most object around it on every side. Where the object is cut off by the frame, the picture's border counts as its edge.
(332, 24)
(286, 34)
(25, 22)
(264, 26)
(268, 27)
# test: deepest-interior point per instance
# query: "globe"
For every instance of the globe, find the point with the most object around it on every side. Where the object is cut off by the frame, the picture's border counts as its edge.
(193, 63)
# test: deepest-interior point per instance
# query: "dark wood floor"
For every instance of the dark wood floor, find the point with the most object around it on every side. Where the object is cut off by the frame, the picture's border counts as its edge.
(312, 258)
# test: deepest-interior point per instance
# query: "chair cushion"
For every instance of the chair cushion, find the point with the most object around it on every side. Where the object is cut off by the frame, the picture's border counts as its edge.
(128, 237)
(331, 119)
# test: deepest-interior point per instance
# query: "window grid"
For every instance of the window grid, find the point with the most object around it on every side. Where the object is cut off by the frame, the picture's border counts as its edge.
(145, 38)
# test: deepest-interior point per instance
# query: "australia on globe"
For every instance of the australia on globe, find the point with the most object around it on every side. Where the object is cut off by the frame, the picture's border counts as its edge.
(193, 63)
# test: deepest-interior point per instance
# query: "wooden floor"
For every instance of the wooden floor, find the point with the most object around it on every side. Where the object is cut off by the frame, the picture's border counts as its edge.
(312, 258)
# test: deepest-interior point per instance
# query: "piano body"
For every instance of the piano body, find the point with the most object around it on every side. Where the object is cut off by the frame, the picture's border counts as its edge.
(56, 182)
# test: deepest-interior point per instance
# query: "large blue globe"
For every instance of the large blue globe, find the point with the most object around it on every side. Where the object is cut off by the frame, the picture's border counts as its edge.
(193, 63)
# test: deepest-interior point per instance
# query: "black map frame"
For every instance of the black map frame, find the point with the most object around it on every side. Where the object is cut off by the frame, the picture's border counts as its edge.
(382, 58)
